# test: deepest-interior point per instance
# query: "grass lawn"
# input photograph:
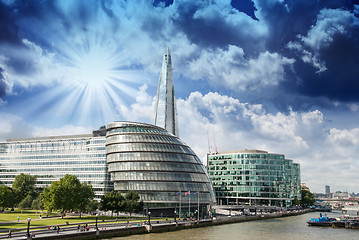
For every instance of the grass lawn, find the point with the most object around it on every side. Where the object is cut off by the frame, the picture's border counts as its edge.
(7, 218)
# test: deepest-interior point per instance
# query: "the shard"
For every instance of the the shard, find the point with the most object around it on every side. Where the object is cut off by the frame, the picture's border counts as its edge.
(165, 107)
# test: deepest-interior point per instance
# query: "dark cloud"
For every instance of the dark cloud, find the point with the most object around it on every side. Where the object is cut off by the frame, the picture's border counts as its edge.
(2, 84)
(212, 30)
(8, 30)
(341, 79)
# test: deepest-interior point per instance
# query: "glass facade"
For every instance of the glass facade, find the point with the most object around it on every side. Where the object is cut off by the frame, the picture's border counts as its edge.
(253, 177)
(51, 158)
(156, 164)
(165, 105)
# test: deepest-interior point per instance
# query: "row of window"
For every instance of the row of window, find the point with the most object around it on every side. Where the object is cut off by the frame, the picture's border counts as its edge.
(246, 155)
(58, 157)
(162, 186)
(154, 166)
(248, 166)
(151, 156)
(142, 138)
(150, 147)
(245, 161)
(159, 176)
(135, 129)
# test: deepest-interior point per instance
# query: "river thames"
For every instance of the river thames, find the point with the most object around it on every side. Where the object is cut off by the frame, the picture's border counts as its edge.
(294, 227)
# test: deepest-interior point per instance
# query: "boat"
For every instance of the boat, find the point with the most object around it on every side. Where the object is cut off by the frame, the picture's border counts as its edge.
(321, 221)
(353, 225)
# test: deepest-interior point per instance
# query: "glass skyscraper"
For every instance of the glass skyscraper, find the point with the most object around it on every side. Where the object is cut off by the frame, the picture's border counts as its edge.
(253, 177)
(165, 106)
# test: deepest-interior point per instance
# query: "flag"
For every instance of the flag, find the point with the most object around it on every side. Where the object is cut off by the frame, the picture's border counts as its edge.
(177, 193)
(196, 193)
(187, 193)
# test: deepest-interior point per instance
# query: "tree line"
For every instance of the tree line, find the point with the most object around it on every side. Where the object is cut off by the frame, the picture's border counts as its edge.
(64, 195)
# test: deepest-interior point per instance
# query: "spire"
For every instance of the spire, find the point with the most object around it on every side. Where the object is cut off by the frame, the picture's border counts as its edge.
(165, 107)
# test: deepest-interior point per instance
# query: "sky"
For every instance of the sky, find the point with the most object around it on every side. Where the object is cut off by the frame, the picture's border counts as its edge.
(274, 75)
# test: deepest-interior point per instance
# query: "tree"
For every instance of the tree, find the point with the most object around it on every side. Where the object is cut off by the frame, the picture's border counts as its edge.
(6, 197)
(132, 202)
(86, 194)
(26, 202)
(67, 194)
(93, 206)
(296, 202)
(112, 201)
(37, 204)
(23, 185)
(307, 198)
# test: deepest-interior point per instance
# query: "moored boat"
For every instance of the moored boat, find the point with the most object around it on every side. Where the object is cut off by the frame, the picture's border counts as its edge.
(321, 221)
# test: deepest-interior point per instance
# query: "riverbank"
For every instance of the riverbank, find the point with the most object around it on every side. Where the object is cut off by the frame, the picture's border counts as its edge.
(106, 230)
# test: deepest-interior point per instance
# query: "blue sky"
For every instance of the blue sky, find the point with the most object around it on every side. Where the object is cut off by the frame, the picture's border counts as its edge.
(275, 75)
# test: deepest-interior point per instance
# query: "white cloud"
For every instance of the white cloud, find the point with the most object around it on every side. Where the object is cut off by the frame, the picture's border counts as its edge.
(13, 126)
(231, 69)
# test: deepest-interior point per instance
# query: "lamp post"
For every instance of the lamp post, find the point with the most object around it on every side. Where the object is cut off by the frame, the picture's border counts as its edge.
(149, 218)
(97, 232)
(28, 228)
(175, 216)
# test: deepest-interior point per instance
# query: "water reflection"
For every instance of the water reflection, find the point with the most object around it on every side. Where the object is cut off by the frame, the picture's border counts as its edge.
(280, 228)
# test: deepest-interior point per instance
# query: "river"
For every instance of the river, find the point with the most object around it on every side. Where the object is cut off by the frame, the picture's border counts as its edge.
(294, 227)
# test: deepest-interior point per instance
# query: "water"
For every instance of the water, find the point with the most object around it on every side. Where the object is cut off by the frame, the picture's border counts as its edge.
(281, 228)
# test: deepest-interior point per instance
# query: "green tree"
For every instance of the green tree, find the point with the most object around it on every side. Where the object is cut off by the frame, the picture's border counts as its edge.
(132, 202)
(26, 202)
(112, 201)
(307, 198)
(86, 194)
(93, 206)
(67, 194)
(7, 197)
(23, 185)
(296, 202)
(37, 204)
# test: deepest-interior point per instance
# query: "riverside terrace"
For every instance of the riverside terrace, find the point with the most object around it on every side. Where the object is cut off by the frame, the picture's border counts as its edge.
(124, 228)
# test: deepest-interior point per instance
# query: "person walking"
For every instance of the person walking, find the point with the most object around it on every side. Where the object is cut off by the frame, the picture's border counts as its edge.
(9, 236)
(58, 229)
(18, 218)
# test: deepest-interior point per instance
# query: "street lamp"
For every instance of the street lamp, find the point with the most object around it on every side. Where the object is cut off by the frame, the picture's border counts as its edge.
(28, 228)
(149, 218)
(96, 221)
(175, 216)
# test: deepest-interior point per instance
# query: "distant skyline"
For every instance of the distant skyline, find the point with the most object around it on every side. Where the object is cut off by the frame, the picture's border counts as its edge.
(275, 75)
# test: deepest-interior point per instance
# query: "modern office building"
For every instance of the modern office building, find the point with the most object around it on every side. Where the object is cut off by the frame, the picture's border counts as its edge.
(327, 189)
(165, 107)
(156, 164)
(51, 158)
(253, 177)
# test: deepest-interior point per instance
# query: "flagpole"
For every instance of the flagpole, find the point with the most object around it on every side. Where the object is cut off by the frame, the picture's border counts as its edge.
(197, 207)
(189, 204)
(180, 207)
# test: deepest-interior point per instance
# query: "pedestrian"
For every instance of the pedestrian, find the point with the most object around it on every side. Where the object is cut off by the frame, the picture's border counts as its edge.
(58, 229)
(9, 236)
(18, 218)
(88, 227)
(78, 227)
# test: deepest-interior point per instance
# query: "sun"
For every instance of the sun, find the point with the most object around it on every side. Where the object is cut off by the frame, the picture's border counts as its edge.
(95, 67)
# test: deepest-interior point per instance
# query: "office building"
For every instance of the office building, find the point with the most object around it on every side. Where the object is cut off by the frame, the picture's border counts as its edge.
(253, 177)
(156, 164)
(51, 158)
(327, 190)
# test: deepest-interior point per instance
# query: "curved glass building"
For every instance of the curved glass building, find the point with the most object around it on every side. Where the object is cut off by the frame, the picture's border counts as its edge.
(158, 165)
(254, 177)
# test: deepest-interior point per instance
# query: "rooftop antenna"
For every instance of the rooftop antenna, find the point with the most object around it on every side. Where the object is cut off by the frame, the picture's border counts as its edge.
(214, 140)
(209, 144)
